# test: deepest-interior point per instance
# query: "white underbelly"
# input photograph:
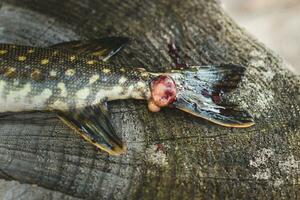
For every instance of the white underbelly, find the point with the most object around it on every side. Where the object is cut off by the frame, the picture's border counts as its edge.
(18, 99)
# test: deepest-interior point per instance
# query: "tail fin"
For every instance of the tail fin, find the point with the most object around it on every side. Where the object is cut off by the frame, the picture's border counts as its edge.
(200, 91)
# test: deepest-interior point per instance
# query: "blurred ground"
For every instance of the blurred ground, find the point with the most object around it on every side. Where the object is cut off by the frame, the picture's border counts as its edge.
(274, 22)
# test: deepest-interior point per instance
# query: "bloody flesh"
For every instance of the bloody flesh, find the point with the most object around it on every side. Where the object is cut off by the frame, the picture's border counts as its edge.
(163, 90)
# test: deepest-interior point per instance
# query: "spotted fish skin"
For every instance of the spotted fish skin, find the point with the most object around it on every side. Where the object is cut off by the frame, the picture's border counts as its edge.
(33, 78)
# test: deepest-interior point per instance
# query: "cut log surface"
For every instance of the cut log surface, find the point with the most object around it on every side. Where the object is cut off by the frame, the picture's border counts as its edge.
(171, 154)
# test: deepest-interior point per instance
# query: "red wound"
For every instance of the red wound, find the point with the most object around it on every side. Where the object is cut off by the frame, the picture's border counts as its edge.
(163, 90)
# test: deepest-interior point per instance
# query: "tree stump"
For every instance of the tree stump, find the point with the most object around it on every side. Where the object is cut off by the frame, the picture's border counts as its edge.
(171, 154)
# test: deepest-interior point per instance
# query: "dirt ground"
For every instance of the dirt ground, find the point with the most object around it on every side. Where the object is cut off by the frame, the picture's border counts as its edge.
(274, 22)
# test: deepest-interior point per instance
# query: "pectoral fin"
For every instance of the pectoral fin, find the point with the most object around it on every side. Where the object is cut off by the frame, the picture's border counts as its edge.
(93, 124)
(101, 49)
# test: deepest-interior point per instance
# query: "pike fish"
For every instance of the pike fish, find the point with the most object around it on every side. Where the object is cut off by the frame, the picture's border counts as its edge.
(73, 80)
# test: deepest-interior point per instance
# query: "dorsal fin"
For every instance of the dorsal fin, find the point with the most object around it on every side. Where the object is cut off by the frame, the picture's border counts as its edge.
(102, 48)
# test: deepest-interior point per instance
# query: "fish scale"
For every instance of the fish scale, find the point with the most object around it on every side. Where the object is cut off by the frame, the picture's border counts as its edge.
(72, 71)
(72, 80)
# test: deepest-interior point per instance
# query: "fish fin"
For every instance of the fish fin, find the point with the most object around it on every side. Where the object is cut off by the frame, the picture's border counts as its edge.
(226, 116)
(101, 49)
(223, 77)
(93, 124)
(201, 90)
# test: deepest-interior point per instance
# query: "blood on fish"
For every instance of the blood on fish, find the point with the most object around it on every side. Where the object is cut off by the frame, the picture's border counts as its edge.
(205, 93)
(163, 91)
(216, 96)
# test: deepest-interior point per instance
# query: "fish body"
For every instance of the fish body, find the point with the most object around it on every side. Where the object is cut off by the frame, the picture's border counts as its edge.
(73, 80)
(34, 78)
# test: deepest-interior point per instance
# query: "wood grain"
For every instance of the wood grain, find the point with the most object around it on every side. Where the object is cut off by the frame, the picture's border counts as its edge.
(171, 155)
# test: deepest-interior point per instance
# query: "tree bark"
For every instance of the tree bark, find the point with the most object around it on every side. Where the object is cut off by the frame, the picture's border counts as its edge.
(171, 154)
